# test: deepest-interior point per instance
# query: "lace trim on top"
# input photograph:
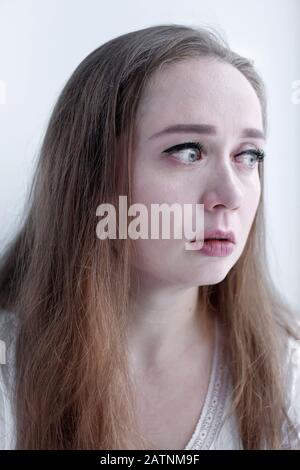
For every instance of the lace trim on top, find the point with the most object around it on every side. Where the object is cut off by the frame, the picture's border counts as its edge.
(213, 409)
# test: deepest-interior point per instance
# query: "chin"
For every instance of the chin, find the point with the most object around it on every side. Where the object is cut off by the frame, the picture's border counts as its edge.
(214, 276)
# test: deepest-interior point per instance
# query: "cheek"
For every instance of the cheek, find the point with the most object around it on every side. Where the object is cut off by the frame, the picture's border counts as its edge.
(158, 258)
(147, 253)
(155, 184)
(151, 187)
(249, 208)
(254, 198)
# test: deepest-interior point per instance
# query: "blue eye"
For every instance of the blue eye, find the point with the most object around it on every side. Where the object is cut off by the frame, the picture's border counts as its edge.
(252, 156)
(194, 147)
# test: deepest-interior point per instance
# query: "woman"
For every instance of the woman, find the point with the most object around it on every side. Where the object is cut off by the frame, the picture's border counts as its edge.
(141, 344)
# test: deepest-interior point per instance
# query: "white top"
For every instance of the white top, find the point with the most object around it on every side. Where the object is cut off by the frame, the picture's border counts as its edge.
(214, 430)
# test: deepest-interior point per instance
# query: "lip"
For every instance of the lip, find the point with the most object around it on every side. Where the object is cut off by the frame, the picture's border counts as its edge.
(218, 233)
(217, 248)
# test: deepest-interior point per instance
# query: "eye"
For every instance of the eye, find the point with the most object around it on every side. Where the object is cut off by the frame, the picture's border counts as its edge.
(189, 151)
(251, 157)
(192, 153)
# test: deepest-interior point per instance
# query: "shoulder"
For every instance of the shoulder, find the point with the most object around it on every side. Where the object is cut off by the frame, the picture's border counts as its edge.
(292, 380)
(8, 326)
(293, 368)
(8, 330)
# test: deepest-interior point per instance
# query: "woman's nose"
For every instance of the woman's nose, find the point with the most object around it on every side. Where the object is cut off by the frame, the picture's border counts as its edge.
(222, 189)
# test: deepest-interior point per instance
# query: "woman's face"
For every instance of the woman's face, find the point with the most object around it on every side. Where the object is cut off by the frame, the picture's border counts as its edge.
(196, 91)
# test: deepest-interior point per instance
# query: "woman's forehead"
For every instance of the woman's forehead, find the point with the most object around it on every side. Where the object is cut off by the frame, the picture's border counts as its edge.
(202, 90)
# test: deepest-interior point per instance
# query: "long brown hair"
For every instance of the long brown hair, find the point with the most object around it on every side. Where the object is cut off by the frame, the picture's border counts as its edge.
(70, 291)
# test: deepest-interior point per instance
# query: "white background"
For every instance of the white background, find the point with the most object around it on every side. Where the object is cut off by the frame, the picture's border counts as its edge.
(42, 42)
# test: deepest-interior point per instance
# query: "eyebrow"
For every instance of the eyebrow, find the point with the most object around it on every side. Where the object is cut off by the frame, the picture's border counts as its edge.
(206, 129)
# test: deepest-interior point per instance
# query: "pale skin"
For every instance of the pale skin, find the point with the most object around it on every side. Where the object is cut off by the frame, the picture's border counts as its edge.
(170, 338)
